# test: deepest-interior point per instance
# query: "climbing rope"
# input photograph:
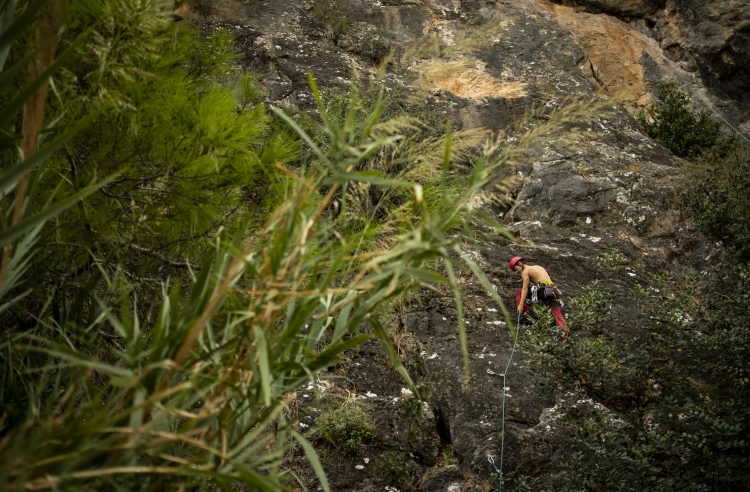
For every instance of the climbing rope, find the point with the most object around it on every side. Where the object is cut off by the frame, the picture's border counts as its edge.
(737, 131)
(490, 459)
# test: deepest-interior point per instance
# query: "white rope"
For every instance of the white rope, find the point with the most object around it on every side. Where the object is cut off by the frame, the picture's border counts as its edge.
(736, 130)
(499, 469)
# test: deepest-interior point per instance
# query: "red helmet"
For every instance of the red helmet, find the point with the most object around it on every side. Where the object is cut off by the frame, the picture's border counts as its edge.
(513, 261)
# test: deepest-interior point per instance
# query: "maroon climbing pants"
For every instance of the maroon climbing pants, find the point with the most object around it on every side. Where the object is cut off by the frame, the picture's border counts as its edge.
(553, 306)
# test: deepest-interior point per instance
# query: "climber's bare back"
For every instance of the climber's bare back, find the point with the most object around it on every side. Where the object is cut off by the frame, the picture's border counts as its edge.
(537, 274)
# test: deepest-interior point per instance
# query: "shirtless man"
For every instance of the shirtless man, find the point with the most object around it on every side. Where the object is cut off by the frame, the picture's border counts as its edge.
(546, 290)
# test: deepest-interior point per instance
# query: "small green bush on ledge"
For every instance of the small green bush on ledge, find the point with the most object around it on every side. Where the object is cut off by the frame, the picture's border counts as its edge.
(348, 428)
(675, 124)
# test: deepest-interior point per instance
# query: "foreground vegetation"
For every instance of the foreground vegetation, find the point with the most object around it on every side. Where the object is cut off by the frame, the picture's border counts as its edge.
(179, 257)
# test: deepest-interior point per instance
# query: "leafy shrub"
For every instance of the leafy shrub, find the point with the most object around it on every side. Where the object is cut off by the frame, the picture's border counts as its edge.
(376, 49)
(680, 386)
(191, 154)
(610, 261)
(691, 446)
(716, 184)
(591, 309)
(725, 333)
(716, 194)
(395, 470)
(447, 457)
(686, 132)
(333, 16)
(610, 369)
(347, 427)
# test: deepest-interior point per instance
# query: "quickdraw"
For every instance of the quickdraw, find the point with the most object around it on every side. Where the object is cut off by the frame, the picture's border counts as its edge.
(544, 293)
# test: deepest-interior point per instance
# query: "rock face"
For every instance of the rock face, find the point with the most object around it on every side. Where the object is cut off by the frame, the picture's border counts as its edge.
(711, 39)
(604, 187)
(715, 37)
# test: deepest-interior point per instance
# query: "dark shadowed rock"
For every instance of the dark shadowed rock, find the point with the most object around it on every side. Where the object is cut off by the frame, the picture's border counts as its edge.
(447, 478)
(625, 8)
(713, 36)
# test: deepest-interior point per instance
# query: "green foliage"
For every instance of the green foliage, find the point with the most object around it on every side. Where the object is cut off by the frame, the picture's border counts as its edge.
(593, 308)
(412, 410)
(123, 41)
(418, 156)
(376, 49)
(610, 261)
(716, 194)
(612, 370)
(673, 366)
(724, 335)
(398, 102)
(447, 458)
(395, 470)
(348, 428)
(686, 449)
(717, 179)
(333, 15)
(21, 225)
(213, 56)
(193, 147)
(686, 132)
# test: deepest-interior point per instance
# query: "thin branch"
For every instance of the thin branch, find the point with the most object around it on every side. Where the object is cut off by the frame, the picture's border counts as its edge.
(46, 38)
(158, 256)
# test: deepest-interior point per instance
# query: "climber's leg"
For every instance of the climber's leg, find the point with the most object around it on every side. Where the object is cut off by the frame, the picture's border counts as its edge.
(556, 310)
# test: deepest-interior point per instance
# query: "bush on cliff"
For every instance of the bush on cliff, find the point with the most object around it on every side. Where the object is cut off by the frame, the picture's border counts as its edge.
(348, 428)
(716, 194)
(673, 367)
(718, 173)
(672, 121)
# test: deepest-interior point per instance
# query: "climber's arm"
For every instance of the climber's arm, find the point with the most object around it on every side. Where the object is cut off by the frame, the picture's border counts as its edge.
(524, 292)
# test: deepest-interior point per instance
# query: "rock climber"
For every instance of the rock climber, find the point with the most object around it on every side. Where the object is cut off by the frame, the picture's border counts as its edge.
(538, 287)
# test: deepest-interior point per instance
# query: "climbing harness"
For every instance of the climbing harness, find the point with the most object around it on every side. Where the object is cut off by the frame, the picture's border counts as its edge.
(490, 459)
(545, 292)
